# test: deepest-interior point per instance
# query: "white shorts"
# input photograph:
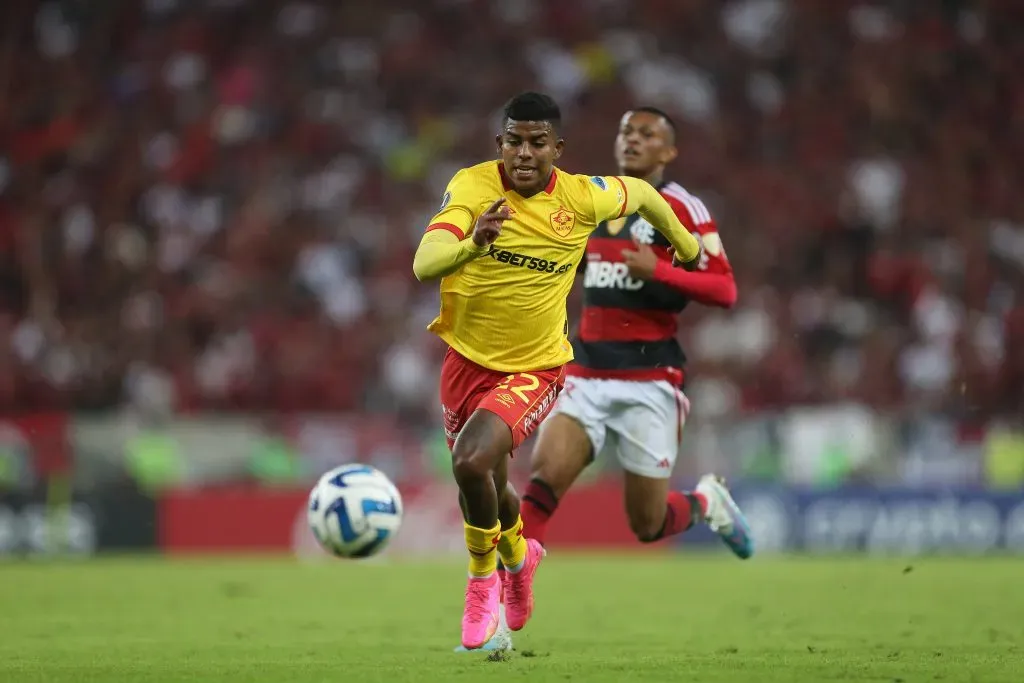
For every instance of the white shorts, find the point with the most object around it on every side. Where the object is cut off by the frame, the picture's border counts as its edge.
(641, 421)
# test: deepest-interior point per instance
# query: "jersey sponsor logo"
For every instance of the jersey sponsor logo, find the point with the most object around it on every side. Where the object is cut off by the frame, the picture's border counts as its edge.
(541, 265)
(608, 275)
(563, 221)
(444, 200)
(599, 181)
(541, 410)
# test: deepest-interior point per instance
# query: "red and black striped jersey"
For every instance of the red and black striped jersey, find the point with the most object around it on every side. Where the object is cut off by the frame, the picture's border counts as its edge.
(628, 327)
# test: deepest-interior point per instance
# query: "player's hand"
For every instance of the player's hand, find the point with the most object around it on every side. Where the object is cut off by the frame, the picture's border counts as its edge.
(689, 265)
(488, 226)
(641, 262)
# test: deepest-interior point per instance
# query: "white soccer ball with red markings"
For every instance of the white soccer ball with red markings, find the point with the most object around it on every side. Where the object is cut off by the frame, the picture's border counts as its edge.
(354, 511)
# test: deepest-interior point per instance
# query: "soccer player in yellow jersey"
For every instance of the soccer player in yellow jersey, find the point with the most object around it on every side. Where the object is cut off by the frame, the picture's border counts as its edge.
(506, 243)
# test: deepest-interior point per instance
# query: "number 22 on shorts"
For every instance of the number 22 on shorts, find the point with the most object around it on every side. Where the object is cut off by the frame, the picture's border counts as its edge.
(522, 390)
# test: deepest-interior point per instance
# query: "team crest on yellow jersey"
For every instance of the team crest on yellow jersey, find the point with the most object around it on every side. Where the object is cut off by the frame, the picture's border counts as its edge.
(563, 221)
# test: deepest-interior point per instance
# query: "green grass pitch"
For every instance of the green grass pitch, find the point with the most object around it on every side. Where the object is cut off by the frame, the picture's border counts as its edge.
(620, 618)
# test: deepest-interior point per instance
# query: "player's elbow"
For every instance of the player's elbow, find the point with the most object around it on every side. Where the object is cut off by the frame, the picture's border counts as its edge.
(421, 269)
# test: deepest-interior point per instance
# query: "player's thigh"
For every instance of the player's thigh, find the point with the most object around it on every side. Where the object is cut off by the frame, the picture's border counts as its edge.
(648, 424)
(562, 451)
(645, 503)
(575, 430)
(463, 385)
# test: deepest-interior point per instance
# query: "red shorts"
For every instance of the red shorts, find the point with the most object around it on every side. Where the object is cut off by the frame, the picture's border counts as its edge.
(521, 400)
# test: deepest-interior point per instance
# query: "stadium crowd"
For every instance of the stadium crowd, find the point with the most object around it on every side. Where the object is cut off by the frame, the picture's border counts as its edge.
(213, 204)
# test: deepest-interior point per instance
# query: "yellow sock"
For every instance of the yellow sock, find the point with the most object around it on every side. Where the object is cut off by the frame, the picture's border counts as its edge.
(482, 543)
(512, 546)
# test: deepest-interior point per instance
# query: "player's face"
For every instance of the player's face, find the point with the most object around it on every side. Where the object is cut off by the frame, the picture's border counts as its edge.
(644, 144)
(528, 151)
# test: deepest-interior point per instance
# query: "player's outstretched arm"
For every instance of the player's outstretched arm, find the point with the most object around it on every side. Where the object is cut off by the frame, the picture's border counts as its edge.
(716, 288)
(442, 253)
(710, 289)
(658, 212)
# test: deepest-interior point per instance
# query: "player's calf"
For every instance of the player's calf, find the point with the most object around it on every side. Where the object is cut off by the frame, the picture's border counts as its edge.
(648, 522)
(680, 512)
(472, 468)
(655, 512)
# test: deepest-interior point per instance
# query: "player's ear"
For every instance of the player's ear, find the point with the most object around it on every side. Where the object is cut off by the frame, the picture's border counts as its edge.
(559, 146)
(669, 155)
(497, 142)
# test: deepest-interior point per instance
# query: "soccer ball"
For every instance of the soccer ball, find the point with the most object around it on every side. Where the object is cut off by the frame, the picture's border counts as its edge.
(354, 510)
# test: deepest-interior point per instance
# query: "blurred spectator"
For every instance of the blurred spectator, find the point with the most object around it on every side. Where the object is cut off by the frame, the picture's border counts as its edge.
(213, 204)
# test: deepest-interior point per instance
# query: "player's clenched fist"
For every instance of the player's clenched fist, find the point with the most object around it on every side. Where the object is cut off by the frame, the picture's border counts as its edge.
(693, 264)
(488, 226)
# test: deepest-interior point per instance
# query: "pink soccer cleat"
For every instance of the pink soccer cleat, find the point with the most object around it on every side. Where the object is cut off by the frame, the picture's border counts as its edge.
(519, 587)
(480, 616)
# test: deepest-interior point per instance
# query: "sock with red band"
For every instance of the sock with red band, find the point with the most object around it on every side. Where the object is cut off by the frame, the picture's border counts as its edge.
(682, 511)
(482, 545)
(512, 547)
(539, 502)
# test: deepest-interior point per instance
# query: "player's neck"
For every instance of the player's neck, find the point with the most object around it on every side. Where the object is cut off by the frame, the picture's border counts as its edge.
(526, 194)
(654, 179)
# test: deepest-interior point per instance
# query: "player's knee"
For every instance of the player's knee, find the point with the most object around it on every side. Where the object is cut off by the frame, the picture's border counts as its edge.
(647, 524)
(471, 462)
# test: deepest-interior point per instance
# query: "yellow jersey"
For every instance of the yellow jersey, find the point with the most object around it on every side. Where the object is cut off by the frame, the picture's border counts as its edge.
(506, 309)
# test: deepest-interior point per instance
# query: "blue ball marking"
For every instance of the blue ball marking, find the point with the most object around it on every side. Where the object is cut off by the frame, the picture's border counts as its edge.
(386, 507)
(371, 547)
(339, 510)
(339, 479)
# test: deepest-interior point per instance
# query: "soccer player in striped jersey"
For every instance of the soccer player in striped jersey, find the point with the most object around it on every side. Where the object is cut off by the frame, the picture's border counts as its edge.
(623, 391)
(505, 244)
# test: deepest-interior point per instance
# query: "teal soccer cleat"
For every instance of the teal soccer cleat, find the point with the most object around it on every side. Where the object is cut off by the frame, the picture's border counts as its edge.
(725, 518)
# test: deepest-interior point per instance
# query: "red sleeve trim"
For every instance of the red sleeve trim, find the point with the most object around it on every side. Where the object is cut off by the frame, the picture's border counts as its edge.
(453, 229)
(712, 289)
(625, 196)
